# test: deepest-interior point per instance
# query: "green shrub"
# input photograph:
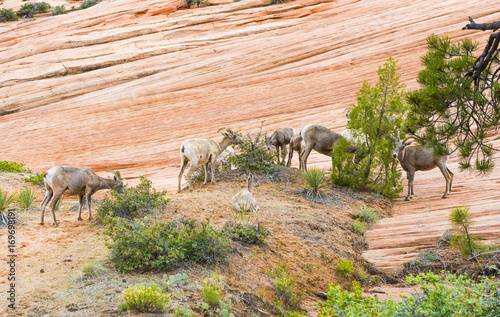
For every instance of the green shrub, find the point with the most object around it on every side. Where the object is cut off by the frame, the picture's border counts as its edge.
(150, 245)
(26, 197)
(144, 298)
(88, 3)
(6, 200)
(13, 167)
(35, 179)
(254, 156)
(59, 10)
(467, 243)
(314, 184)
(92, 269)
(28, 10)
(285, 288)
(344, 267)
(212, 290)
(5, 16)
(367, 215)
(246, 233)
(133, 202)
(358, 226)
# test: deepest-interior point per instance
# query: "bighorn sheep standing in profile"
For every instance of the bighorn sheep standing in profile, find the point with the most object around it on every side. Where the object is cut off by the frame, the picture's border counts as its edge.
(204, 151)
(243, 200)
(279, 139)
(81, 181)
(419, 158)
(295, 145)
(318, 138)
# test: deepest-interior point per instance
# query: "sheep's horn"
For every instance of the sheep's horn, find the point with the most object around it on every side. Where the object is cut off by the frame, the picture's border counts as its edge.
(227, 129)
(116, 173)
(408, 138)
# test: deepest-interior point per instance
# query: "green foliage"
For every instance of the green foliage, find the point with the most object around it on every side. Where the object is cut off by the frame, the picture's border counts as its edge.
(182, 312)
(35, 179)
(453, 106)
(199, 3)
(314, 184)
(173, 279)
(133, 202)
(450, 295)
(367, 214)
(285, 288)
(246, 233)
(28, 10)
(26, 197)
(431, 257)
(88, 3)
(13, 167)
(278, 1)
(467, 243)
(378, 115)
(5, 16)
(358, 226)
(6, 200)
(212, 290)
(92, 269)
(254, 156)
(344, 267)
(144, 298)
(150, 245)
(58, 10)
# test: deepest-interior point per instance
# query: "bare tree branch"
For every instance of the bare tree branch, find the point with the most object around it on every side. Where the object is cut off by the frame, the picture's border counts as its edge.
(482, 26)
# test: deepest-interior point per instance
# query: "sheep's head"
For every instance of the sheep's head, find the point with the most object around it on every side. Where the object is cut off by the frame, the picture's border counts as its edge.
(228, 133)
(118, 182)
(268, 141)
(400, 146)
(348, 113)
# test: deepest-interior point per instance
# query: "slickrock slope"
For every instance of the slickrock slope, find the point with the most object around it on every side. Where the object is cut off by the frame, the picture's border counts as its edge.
(120, 85)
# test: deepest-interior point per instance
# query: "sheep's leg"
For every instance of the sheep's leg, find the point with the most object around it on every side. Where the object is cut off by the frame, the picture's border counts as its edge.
(53, 204)
(444, 170)
(410, 175)
(451, 180)
(212, 169)
(80, 205)
(48, 195)
(89, 200)
(190, 173)
(305, 155)
(290, 156)
(183, 167)
(278, 151)
(205, 172)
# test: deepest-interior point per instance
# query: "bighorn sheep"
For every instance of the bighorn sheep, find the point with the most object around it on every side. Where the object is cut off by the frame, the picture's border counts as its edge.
(295, 145)
(353, 135)
(318, 138)
(419, 158)
(243, 200)
(225, 157)
(81, 181)
(279, 139)
(204, 151)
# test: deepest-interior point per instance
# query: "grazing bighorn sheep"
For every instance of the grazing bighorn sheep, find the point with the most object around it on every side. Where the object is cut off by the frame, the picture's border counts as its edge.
(295, 145)
(419, 158)
(243, 200)
(318, 138)
(279, 139)
(353, 135)
(81, 181)
(204, 151)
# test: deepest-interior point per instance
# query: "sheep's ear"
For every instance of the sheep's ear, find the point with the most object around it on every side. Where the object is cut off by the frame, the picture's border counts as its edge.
(408, 143)
(224, 133)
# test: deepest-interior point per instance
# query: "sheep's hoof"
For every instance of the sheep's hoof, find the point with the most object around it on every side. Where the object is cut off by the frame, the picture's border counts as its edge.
(55, 225)
(407, 199)
(41, 223)
(444, 196)
(80, 219)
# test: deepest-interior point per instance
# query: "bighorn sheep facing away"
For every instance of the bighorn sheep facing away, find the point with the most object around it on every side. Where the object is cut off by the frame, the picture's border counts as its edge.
(318, 138)
(81, 181)
(243, 200)
(418, 158)
(279, 139)
(295, 145)
(204, 151)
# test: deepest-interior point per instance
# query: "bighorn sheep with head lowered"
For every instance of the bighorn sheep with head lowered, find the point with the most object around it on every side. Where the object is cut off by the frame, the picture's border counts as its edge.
(295, 145)
(279, 139)
(318, 138)
(204, 151)
(419, 158)
(80, 181)
(243, 200)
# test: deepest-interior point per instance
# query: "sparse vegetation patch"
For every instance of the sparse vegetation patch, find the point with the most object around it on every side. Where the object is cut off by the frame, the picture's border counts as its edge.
(147, 298)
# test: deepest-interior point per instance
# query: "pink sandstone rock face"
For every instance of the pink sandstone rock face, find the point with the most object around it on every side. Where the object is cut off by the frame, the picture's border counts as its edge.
(120, 85)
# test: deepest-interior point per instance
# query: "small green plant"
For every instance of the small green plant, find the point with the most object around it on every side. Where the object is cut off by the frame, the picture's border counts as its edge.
(6, 200)
(182, 312)
(35, 179)
(92, 269)
(26, 197)
(212, 289)
(314, 184)
(88, 3)
(431, 257)
(246, 233)
(358, 226)
(285, 289)
(7, 15)
(224, 309)
(367, 214)
(467, 243)
(344, 267)
(143, 297)
(28, 10)
(13, 167)
(172, 279)
(58, 10)
(254, 156)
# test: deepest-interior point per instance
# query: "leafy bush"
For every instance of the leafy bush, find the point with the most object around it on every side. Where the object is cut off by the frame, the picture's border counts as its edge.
(144, 298)
(450, 295)
(88, 3)
(35, 179)
(13, 167)
(254, 156)
(358, 226)
(59, 10)
(6, 200)
(246, 233)
(367, 215)
(344, 267)
(28, 10)
(133, 202)
(5, 16)
(150, 245)
(26, 197)
(92, 269)
(314, 182)
(285, 288)
(199, 3)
